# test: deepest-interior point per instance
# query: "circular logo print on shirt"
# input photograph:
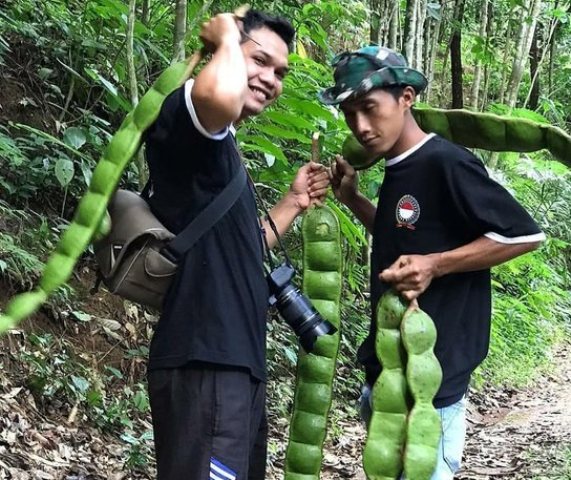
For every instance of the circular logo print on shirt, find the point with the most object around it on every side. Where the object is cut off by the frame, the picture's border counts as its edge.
(407, 212)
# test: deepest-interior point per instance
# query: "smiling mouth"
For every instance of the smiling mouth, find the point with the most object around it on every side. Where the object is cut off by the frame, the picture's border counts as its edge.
(260, 94)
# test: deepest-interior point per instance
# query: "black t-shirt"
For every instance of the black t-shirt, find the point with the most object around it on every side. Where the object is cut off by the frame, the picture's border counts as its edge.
(437, 197)
(215, 311)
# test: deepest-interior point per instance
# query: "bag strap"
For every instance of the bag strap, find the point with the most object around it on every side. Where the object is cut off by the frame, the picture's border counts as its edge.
(207, 218)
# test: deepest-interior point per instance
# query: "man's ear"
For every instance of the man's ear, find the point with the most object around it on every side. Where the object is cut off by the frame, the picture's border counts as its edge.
(408, 96)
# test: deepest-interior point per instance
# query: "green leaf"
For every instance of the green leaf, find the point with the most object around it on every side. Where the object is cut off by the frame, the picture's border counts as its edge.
(310, 109)
(46, 136)
(116, 373)
(290, 355)
(141, 401)
(95, 75)
(270, 159)
(80, 383)
(64, 171)
(87, 172)
(75, 137)
(114, 95)
(44, 73)
(264, 145)
(81, 316)
(279, 132)
(289, 119)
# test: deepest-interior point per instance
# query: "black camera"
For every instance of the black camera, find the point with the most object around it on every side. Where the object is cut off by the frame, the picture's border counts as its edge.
(296, 309)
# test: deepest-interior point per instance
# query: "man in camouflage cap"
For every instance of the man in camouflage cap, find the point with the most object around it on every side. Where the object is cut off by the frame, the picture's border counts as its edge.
(438, 226)
(358, 72)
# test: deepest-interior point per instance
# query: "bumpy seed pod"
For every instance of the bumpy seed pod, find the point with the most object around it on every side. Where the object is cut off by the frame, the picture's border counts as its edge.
(424, 376)
(322, 270)
(89, 220)
(478, 130)
(382, 457)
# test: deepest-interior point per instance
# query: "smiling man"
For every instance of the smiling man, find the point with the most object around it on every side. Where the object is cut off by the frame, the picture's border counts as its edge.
(207, 369)
(438, 226)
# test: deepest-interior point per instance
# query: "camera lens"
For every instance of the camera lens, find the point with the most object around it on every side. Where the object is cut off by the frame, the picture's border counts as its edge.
(302, 317)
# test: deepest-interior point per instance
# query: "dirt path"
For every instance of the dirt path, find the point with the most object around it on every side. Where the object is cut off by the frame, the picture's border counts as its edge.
(511, 434)
(523, 440)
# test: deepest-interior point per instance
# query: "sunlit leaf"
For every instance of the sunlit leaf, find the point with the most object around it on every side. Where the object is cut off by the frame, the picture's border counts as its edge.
(74, 137)
(64, 171)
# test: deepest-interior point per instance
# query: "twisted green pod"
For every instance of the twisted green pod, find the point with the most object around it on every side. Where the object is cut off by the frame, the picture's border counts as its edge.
(424, 376)
(322, 280)
(399, 437)
(90, 219)
(382, 457)
(478, 130)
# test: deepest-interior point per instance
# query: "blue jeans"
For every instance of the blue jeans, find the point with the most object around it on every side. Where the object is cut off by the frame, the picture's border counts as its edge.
(451, 446)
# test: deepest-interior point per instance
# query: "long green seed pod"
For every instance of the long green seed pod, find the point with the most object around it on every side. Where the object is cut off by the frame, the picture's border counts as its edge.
(383, 454)
(478, 130)
(399, 437)
(424, 376)
(322, 261)
(89, 220)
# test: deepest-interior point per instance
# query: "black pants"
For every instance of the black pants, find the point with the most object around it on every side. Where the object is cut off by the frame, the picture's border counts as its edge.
(208, 420)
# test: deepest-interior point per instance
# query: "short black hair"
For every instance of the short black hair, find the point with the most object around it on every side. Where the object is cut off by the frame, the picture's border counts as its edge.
(254, 20)
(395, 90)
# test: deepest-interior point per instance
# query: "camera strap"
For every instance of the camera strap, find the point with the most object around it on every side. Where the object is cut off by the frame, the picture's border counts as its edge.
(268, 217)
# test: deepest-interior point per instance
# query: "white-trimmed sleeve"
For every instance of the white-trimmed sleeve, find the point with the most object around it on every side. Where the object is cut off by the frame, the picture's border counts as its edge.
(496, 237)
(487, 207)
(194, 117)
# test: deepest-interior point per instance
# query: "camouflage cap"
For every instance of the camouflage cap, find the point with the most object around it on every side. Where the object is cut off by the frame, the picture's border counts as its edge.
(356, 73)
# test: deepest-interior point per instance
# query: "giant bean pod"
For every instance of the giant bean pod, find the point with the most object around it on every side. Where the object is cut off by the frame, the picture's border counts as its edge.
(382, 457)
(89, 219)
(401, 437)
(322, 280)
(478, 130)
(424, 375)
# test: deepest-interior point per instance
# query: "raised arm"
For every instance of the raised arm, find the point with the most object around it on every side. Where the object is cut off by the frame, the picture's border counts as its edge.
(344, 182)
(309, 187)
(219, 91)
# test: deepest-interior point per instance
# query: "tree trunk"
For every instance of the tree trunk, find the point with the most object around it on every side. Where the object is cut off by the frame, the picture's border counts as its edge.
(456, 57)
(179, 31)
(484, 96)
(507, 49)
(375, 23)
(433, 49)
(419, 42)
(427, 45)
(410, 30)
(475, 94)
(539, 62)
(534, 56)
(394, 26)
(525, 38)
(552, 47)
(146, 13)
(487, 70)
(133, 88)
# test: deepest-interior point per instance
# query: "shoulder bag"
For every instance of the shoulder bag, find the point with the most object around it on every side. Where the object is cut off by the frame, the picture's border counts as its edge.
(139, 257)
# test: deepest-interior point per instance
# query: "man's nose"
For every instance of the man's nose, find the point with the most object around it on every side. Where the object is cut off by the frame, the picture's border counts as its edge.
(268, 77)
(362, 125)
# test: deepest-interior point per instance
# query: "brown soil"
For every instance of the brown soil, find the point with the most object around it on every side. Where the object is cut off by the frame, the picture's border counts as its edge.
(513, 435)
